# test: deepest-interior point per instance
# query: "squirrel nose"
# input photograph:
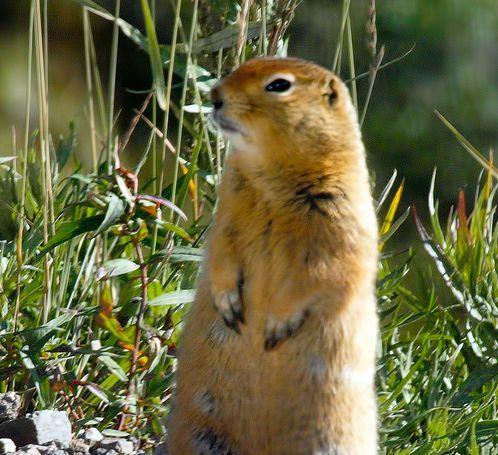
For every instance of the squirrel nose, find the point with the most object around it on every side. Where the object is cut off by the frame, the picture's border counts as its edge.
(216, 98)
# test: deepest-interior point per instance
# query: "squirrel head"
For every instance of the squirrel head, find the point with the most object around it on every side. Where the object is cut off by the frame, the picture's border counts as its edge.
(284, 106)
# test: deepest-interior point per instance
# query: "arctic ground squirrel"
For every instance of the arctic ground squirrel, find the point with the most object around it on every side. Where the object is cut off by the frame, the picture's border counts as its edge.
(277, 355)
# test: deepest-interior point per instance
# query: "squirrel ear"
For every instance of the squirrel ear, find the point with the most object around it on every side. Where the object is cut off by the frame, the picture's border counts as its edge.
(332, 92)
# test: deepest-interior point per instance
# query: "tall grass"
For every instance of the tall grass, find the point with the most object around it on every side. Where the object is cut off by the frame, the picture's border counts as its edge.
(98, 267)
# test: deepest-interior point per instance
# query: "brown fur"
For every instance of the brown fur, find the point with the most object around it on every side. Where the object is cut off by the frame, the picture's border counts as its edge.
(291, 264)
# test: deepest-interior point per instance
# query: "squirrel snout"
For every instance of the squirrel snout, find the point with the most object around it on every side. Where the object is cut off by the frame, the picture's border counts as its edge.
(216, 98)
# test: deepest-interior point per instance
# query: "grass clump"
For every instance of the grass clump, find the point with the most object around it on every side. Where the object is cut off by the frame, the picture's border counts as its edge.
(98, 264)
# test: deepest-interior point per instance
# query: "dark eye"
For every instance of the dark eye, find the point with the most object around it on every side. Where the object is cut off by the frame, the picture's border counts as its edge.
(278, 85)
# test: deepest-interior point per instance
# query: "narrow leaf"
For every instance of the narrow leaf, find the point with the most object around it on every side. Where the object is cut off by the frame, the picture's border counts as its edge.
(469, 147)
(66, 147)
(7, 159)
(155, 56)
(113, 367)
(388, 221)
(162, 201)
(226, 37)
(116, 267)
(174, 298)
(95, 8)
(70, 230)
(115, 209)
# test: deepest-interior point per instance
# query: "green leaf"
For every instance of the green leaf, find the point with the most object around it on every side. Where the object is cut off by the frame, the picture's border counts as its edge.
(115, 433)
(155, 56)
(115, 209)
(95, 8)
(113, 367)
(174, 228)
(174, 298)
(37, 337)
(98, 392)
(7, 159)
(187, 254)
(40, 379)
(385, 191)
(226, 37)
(134, 34)
(66, 147)
(477, 378)
(476, 154)
(116, 267)
(71, 229)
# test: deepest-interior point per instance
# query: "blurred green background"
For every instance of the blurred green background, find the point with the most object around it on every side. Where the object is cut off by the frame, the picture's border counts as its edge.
(453, 68)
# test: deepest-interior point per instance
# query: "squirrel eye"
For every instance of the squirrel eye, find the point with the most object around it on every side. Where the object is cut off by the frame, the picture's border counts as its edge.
(278, 85)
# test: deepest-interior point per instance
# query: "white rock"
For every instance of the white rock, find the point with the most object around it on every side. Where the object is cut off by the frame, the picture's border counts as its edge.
(10, 403)
(7, 446)
(41, 427)
(92, 435)
(30, 450)
(121, 446)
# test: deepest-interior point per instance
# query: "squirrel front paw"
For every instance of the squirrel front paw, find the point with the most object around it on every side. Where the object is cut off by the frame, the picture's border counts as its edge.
(277, 330)
(229, 305)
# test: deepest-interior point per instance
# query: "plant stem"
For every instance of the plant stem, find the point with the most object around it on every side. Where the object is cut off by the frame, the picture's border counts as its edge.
(20, 232)
(89, 83)
(169, 84)
(138, 325)
(112, 85)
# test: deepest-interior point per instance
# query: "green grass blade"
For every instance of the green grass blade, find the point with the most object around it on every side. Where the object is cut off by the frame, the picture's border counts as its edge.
(155, 56)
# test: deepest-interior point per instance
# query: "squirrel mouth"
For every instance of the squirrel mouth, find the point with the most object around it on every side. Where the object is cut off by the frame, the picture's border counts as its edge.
(226, 125)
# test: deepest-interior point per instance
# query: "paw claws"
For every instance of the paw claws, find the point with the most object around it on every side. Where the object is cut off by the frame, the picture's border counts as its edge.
(277, 331)
(232, 323)
(270, 343)
(230, 308)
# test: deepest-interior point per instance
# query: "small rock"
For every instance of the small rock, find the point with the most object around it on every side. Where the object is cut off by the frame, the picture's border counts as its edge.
(41, 427)
(10, 403)
(7, 446)
(92, 435)
(52, 448)
(56, 452)
(103, 451)
(121, 446)
(135, 441)
(80, 447)
(56, 444)
(28, 450)
(41, 449)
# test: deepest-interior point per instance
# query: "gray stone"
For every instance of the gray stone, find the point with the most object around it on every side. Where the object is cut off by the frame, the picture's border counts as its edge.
(135, 441)
(28, 450)
(56, 452)
(55, 444)
(92, 435)
(103, 451)
(41, 427)
(39, 448)
(7, 446)
(80, 447)
(121, 446)
(10, 403)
